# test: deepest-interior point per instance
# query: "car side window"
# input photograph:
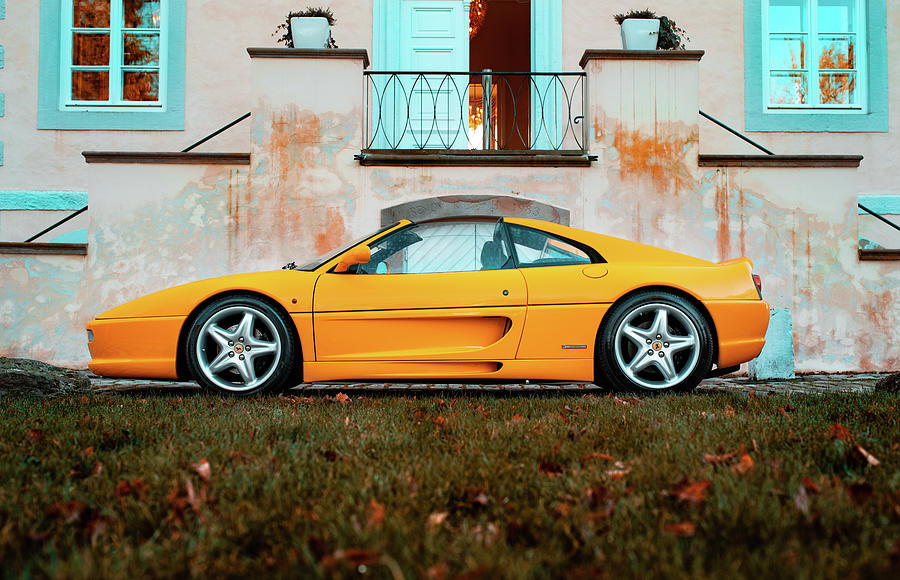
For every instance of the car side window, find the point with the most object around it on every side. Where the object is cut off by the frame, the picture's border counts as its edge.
(439, 247)
(535, 248)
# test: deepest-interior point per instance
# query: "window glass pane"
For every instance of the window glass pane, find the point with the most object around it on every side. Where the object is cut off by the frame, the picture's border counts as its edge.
(140, 13)
(90, 13)
(837, 88)
(141, 49)
(140, 85)
(439, 247)
(837, 16)
(788, 15)
(534, 248)
(836, 52)
(90, 85)
(90, 49)
(787, 52)
(788, 88)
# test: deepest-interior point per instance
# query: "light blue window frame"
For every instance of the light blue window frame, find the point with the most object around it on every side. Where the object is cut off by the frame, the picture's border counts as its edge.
(52, 115)
(758, 117)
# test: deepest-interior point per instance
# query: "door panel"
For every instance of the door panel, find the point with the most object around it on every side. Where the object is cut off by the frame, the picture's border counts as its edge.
(440, 316)
(440, 334)
(576, 284)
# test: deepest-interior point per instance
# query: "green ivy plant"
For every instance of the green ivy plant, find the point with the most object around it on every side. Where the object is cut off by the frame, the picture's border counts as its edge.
(671, 36)
(285, 27)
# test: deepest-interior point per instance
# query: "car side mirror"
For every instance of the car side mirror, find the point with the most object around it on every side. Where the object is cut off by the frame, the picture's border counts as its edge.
(358, 255)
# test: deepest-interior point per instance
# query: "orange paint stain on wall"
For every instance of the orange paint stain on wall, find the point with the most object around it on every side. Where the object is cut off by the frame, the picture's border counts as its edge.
(335, 231)
(659, 158)
(292, 132)
(723, 232)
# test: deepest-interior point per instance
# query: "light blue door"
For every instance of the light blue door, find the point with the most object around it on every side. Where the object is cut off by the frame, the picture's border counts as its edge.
(549, 105)
(417, 110)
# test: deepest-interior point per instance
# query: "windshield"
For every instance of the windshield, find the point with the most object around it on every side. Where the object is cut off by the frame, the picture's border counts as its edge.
(334, 253)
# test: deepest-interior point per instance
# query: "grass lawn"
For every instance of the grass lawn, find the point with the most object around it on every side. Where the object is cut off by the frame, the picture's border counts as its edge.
(449, 484)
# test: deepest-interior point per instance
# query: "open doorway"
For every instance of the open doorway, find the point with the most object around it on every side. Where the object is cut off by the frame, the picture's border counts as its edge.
(499, 105)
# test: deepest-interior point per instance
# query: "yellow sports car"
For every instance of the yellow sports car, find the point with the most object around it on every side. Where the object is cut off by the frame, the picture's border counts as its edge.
(462, 299)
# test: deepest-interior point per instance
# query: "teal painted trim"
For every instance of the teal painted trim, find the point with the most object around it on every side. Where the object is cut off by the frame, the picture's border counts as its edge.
(2, 9)
(2, 104)
(2, 56)
(51, 117)
(1, 153)
(881, 204)
(42, 200)
(876, 120)
(74, 237)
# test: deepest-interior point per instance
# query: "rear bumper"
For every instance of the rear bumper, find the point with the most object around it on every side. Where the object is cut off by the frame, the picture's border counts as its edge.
(741, 328)
(135, 347)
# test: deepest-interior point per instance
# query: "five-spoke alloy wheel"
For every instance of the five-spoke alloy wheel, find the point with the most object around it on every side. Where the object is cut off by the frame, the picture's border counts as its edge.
(241, 345)
(655, 341)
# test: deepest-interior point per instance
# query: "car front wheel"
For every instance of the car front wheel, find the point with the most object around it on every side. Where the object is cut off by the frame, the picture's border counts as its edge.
(241, 345)
(655, 341)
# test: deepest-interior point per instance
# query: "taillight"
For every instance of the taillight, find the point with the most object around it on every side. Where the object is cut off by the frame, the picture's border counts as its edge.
(758, 282)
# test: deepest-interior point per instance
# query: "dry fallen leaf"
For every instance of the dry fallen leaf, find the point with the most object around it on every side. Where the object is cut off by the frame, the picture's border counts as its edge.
(683, 529)
(354, 556)
(838, 431)
(550, 468)
(744, 465)
(810, 485)
(131, 488)
(708, 458)
(870, 459)
(593, 456)
(239, 456)
(438, 571)
(342, 398)
(436, 519)
(801, 500)
(691, 491)
(203, 470)
(376, 514)
(68, 511)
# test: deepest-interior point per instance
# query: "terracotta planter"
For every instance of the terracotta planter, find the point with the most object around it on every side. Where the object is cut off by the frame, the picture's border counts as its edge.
(640, 33)
(310, 32)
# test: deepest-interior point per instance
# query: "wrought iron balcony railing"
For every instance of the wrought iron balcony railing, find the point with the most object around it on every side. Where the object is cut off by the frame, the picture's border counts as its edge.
(474, 110)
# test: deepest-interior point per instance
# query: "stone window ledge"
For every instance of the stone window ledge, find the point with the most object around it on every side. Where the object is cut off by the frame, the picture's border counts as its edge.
(780, 160)
(48, 248)
(878, 255)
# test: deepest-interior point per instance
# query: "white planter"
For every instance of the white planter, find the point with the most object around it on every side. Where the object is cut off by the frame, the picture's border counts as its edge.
(640, 33)
(310, 32)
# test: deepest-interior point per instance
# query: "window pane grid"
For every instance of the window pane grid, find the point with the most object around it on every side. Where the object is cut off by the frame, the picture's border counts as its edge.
(830, 54)
(113, 53)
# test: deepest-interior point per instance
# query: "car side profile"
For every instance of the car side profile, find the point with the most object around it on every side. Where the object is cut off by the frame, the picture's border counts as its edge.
(459, 299)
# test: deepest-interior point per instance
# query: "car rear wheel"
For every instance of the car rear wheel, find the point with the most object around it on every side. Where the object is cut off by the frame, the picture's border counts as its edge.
(655, 341)
(241, 345)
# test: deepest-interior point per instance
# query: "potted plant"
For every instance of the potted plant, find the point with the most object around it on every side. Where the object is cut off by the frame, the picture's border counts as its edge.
(644, 30)
(310, 28)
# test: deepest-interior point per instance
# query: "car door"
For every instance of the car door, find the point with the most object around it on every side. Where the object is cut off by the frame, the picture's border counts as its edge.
(566, 294)
(441, 291)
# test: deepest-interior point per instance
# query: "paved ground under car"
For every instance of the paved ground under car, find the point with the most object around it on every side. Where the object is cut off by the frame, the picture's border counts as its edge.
(806, 384)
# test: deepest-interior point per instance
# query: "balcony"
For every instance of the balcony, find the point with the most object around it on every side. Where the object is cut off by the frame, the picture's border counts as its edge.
(474, 115)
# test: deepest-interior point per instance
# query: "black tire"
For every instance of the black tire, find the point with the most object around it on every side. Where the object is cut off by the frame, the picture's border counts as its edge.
(242, 346)
(636, 354)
